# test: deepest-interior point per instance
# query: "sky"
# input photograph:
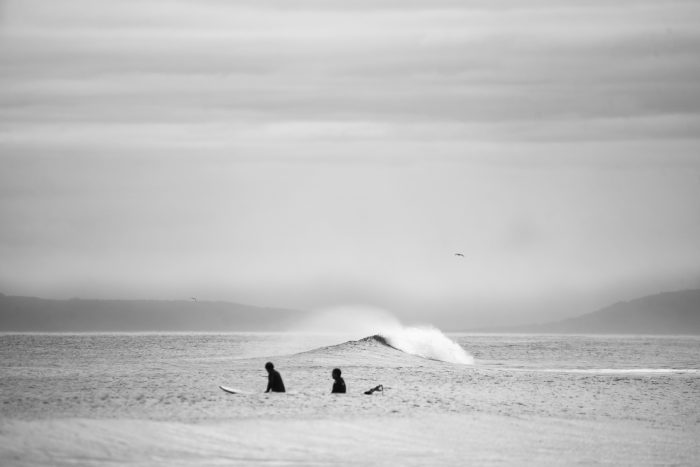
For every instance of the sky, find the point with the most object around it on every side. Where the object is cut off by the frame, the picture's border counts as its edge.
(320, 153)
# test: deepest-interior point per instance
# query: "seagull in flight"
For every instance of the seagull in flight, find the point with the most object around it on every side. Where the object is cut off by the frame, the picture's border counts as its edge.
(459, 254)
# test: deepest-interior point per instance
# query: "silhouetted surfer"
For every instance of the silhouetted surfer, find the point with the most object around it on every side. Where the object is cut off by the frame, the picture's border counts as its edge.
(339, 384)
(274, 379)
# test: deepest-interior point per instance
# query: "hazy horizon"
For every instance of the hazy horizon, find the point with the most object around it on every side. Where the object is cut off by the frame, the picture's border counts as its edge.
(316, 154)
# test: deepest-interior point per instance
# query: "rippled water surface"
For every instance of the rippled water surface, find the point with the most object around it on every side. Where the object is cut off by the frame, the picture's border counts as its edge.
(176, 377)
(153, 399)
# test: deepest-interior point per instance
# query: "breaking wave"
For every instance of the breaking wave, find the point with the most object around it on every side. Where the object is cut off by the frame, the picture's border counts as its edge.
(352, 322)
(425, 342)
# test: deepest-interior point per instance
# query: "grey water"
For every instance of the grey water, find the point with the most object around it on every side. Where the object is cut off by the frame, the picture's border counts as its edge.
(176, 377)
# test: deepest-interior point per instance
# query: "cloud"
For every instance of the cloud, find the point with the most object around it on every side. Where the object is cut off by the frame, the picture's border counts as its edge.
(348, 146)
(164, 62)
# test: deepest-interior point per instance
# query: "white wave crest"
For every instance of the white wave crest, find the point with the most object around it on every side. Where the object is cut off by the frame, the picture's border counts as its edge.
(623, 370)
(427, 342)
(358, 321)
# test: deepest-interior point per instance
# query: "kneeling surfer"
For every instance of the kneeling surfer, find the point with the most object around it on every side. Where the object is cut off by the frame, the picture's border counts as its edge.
(339, 383)
(274, 379)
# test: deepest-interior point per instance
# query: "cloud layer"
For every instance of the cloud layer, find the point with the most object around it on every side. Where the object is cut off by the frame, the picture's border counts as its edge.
(313, 152)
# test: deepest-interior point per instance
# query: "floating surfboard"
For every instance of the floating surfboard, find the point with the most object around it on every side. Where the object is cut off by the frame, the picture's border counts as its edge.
(233, 390)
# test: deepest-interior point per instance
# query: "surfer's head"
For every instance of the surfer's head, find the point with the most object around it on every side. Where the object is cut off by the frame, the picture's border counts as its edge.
(335, 373)
(269, 366)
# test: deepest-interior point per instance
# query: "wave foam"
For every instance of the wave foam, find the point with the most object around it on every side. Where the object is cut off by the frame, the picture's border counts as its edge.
(354, 321)
(426, 342)
(625, 370)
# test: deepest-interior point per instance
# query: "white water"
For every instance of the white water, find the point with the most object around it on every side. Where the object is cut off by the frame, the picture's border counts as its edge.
(625, 370)
(427, 342)
(355, 322)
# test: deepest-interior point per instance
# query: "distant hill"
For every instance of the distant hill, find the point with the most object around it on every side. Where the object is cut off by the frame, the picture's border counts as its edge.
(29, 314)
(665, 313)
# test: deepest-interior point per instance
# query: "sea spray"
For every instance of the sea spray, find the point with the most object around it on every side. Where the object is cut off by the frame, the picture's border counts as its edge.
(354, 322)
(427, 342)
(348, 322)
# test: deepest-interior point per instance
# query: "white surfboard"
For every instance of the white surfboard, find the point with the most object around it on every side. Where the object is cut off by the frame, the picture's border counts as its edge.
(233, 390)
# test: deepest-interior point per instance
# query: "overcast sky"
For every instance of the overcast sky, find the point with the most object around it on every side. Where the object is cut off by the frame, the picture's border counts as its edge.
(317, 153)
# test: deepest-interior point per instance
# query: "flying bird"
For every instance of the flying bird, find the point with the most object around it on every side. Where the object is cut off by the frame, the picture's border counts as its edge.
(194, 299)
(459, 254)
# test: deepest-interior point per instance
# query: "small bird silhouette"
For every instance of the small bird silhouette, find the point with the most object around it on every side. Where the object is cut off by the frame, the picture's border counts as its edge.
(194, 299)
(459, 254)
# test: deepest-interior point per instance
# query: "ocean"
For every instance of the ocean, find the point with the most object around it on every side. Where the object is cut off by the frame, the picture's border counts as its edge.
(457, 399)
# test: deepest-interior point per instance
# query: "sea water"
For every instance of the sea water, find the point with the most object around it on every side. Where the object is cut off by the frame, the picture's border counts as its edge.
(461, 399)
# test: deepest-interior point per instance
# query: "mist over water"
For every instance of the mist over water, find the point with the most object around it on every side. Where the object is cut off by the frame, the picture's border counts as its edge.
(348, 322)
(357, 322)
